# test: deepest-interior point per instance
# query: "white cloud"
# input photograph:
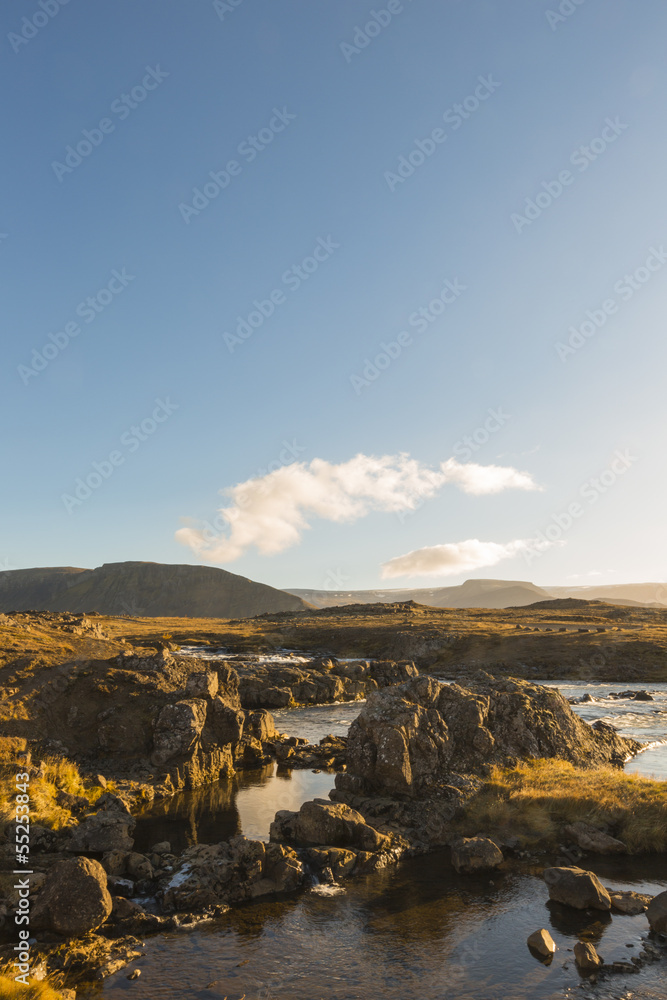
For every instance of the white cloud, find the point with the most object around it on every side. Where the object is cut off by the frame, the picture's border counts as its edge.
(456, 557)
(271, 512)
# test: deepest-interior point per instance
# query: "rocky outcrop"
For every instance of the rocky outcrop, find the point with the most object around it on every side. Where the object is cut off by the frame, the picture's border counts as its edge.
(108, 829)
(415, 739)
(475, 854)
(317, 682)
(577, 888)
(230, 872)
(74, 899)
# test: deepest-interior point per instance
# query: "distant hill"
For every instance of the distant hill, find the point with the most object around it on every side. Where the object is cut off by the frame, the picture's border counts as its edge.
(491, 594)
(144, 589)
(471, 594)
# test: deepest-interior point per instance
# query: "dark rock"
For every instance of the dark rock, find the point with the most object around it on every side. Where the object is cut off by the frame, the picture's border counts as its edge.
(656, 913)
(577, 888)
(475, 854)
(74, 899)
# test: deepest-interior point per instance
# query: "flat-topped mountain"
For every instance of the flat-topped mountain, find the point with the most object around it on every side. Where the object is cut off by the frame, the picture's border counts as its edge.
(142, 588)
(471, 594)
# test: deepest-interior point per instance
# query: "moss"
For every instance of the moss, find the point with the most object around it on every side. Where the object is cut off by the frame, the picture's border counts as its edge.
(535, 800)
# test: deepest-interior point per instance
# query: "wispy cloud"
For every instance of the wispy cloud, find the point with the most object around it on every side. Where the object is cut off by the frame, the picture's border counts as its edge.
(271, 513)
(455, 557)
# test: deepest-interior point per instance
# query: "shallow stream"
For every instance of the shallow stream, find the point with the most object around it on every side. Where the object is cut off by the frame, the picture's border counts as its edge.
(413, 930)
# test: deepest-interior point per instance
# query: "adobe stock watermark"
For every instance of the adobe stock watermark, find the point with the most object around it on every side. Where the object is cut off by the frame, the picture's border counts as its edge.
(626, 288)
(249, 149)
(419, 320)
(581, 157)
(31, 26)
(225, 7)
(130, 441)
(292, 279)
(122, 108)
(290, 453)
(454, 117)
(566, 8)
(88, 310)
(364, 34)
(335, 579)
(590, 492)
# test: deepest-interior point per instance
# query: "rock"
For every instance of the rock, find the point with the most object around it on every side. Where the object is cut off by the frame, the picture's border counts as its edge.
(542, 942)
(134, 974)
(587, 959)
(656, 913)
(120, 886)
(123, 909)
(42, 839)
(100, 780)
(337, 825)
(475, 854)
(630, 903)
(75, 898)
(102, 832)
(177, 729)
(138, 866)
(260, 724)
(164, 847)
(224, 724)
(411, 738)
(577, 888)
(114, 862)
(202, 684)
(589, 838)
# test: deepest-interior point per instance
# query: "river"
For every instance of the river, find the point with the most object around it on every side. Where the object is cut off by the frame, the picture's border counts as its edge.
(414, 930)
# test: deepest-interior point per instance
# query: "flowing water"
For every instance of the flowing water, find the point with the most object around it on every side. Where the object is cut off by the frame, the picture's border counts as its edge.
(413, 930)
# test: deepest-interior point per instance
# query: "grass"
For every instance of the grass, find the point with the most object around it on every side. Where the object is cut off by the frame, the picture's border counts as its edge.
(11, 990)
(535, 800)
(55, 774)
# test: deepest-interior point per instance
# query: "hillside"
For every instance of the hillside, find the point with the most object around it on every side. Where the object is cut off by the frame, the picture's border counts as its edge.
(471, 594)
(142, 588)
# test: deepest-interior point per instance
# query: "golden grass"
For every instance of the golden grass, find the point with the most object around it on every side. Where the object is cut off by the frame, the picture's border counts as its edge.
(55, 774)
(535, 800)
(11, 990)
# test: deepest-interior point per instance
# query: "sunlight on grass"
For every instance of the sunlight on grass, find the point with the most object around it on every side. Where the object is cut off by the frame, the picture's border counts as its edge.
(56, 774)
(535, 800)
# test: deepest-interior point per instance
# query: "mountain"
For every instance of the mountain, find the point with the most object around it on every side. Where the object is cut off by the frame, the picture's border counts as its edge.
(471, 594)
(144, 589)
(618, 593)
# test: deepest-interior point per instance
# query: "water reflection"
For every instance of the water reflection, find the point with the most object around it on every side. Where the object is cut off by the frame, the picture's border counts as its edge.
(246, 803)
(417, 929)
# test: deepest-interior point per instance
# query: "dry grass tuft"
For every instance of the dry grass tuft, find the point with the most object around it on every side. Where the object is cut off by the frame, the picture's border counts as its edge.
(535, 800)
(56, 774)
(11, 990)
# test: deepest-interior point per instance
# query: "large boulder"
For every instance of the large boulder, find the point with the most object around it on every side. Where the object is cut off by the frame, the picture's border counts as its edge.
(177, 729)
(74, 899)
(475, 854)
(331, 823)
(656, 913)
(409, 739)
(577, 888)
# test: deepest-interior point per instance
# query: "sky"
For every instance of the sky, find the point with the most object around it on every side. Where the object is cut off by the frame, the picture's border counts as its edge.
(336, 295)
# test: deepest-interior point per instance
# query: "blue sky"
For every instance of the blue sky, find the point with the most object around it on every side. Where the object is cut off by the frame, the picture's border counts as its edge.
(158, 347)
